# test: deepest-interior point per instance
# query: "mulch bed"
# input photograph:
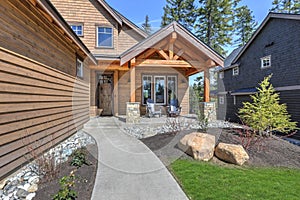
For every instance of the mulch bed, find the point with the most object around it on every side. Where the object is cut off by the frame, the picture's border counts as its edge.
(85, 178)
(275, 152)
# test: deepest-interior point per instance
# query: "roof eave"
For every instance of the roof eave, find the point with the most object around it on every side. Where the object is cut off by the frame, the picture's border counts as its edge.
(48, 7)
(269, 16)
(111, 11)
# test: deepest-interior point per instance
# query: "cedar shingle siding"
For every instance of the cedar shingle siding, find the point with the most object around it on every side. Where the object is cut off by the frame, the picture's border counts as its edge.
(280, 39)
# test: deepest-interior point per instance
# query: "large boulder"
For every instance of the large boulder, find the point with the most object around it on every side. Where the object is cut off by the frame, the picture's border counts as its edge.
(231, 153)
(199, 145)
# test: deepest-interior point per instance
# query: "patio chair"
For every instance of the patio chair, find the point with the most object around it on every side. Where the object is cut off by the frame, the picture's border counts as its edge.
(173, 110)
(151, 109)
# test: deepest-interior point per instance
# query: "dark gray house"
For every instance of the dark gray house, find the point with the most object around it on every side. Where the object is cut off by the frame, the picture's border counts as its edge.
(273, 49)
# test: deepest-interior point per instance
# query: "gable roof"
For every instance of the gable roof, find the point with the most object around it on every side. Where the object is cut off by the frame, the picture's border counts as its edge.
(120, 18)
(162, 34)
(228, 60)
(270, 16)
(53, 14)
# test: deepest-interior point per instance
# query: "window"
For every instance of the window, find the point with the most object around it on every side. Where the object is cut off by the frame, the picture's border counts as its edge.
(234, 100)
(159, 92)
(265, 62)
(79, 66)
(161, 89)
(104, 37)
(221, 100)
(147, 88)
(172, 90)
(235, 71)
(221, 75)
(78, 29)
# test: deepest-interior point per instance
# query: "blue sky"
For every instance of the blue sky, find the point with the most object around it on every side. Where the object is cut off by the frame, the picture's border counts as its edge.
(136, 10)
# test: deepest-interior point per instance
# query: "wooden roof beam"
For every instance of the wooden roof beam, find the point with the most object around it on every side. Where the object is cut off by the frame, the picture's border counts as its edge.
(173, 38)
(210, 63)
(178, 54)
(163, 54)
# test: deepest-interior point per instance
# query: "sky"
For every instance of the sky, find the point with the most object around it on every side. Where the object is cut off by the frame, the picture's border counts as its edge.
(136, 10)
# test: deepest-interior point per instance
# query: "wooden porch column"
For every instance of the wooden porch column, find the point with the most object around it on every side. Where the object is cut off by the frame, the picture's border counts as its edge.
(116, 92)
(206, 85)
(132, 80)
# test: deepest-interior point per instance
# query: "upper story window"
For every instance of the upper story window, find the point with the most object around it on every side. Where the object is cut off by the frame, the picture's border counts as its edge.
(221, 100)
(221, 74)
(79, 68)
(266, 62)
(78, 29)
(235, 71)
(104, 37)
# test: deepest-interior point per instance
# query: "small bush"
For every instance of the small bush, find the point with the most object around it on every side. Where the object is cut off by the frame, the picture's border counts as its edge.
(66, 192)
(79, 158)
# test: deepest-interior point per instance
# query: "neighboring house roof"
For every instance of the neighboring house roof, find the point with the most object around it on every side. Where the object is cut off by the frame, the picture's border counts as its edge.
(261, 27)
(163, 33)
(121, 19)
(54, 16)
(231, 57)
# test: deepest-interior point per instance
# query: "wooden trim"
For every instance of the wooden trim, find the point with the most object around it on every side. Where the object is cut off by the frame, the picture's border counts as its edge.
(116, 92)
(206, 85)
(132, 84)
(163, 54)
(178, 54)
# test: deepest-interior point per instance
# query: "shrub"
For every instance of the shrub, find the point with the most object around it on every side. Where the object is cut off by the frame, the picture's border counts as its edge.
(66, 192)
(265, 115)
(79, 158)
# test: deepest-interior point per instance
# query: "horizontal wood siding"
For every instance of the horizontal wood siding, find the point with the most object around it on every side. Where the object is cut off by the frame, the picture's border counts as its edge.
(24, 31)
(39, 107)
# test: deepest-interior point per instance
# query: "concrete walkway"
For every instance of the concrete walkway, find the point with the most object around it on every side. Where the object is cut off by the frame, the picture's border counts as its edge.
(127, 169)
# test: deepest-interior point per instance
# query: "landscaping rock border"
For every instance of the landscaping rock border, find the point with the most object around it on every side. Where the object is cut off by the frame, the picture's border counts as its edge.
(24, 183)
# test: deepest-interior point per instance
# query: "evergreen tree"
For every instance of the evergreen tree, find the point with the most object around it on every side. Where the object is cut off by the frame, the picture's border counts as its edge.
(265, 114)
(245, 25)
(182, 11)
(215, 22)
(147, 26)
(286, 6)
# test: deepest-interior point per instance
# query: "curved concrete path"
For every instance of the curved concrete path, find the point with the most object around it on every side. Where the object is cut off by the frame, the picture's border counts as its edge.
(127, 169)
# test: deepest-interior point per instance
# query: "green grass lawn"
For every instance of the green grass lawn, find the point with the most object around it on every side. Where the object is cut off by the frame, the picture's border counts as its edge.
(207, 181)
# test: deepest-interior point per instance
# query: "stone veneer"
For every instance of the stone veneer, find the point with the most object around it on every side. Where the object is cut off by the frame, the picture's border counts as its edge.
(133, 112)
(209, 110)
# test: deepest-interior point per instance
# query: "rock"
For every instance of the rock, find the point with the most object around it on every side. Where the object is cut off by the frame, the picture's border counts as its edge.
(30, 196)
(34, 180)
(33, 188)
(199, 145)
(6, 198)
(3, 184)
(22, 193)
(231, 153)
(1, 193)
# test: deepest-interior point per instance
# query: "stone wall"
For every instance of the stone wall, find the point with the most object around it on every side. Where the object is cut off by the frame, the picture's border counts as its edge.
(133, 112)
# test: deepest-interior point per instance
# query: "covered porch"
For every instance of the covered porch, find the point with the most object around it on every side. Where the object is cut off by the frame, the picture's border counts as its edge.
(158, 68)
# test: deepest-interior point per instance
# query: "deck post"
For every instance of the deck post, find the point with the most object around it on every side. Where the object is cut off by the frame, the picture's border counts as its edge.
(206, 85)
(116, 92)
(132, 80)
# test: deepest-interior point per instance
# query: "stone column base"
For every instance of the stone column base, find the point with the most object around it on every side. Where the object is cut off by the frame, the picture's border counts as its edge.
(133, 112)
(209, 110)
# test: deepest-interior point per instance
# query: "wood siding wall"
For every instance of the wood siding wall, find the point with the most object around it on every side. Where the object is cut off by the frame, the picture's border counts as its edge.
(90, 13)
(24, 31)
(37, 103)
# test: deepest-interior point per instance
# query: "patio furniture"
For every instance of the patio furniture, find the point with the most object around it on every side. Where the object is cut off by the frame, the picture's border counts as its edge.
(173, 110)
(151, 109)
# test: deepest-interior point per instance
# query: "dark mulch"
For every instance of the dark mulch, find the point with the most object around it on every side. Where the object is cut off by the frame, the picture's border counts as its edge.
(274, 152)
(85, 178)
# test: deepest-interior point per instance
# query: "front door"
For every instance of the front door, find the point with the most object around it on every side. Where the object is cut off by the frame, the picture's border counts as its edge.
(105, 94)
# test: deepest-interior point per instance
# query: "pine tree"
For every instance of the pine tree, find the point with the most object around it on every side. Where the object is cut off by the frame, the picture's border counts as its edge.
(265, 114)
(245, 25)
(286, 6)
(147, 26)
(215, 21)
(182, 11)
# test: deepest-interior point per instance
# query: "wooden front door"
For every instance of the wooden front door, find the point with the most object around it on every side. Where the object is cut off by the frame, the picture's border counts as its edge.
(105, 94)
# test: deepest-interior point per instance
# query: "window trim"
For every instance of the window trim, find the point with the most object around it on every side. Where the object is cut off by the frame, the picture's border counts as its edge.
(112, 37)
(165, 87)
(262, 62)
(77, 24)
(235, 73)
(151, 83)
(81, 75)
(221, 100)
